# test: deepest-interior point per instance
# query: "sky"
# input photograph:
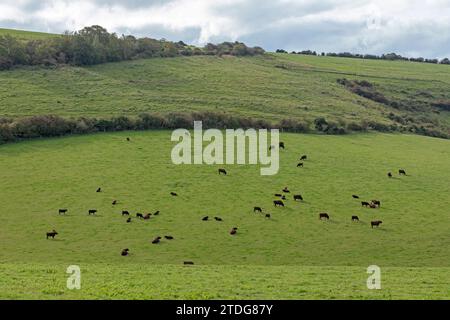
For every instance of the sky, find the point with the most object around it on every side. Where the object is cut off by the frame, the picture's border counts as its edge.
(408, 27)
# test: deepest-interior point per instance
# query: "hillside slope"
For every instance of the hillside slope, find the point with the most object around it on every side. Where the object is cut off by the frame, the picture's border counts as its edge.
(272, 87)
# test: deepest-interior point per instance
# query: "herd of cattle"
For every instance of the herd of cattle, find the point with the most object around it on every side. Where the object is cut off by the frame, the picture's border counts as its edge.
(279, 202)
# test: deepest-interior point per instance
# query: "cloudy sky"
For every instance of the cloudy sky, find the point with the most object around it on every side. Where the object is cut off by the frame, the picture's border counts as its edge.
(408, 27)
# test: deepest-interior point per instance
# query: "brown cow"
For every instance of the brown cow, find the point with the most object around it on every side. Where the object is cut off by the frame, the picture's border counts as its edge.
(52, 234)
(278, 203)
(376, 223)
(156, 240)
(324, 216)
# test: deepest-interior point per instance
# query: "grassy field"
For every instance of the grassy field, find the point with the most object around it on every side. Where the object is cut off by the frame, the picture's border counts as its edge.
(272, 87)
(294, 255)
(26, 35)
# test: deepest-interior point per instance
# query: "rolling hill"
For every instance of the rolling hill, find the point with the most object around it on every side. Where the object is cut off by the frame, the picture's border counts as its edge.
(292, 255)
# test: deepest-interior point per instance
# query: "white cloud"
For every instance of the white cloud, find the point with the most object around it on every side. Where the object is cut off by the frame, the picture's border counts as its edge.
(408, 27)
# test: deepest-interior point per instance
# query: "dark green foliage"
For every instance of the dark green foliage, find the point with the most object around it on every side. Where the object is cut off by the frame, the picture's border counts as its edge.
(95, 45)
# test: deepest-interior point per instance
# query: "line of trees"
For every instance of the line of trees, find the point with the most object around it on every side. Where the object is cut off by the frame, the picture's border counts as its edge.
(42, 126)
(95, 45)
(387, 56)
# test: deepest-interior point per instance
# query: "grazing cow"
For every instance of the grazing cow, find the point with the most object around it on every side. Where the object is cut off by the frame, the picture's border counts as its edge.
(139, 215)
(365, 204)
(376, 203)
(402, 172)
(257, 209)
(128, 220)
(302, 158)
(376, 223)
(125, 252)
(128, 139)
(282, 145)
(92, 211)
(173, 194)
(355, 218)
(300, 165)
(324, 216)
(218, 219)
(147, 216)
(286, 190)
(156, 213)
(233, 231)
(355, 196)
(188, 263)
(52, 234)
(283, 198)
(222, 171)
(62, 211)
(114, 202)
(99, 190)
(390, 174)
(205, 218)
(278, 203)
(278, 195)
(268, 215)
(168, 237)
(298, 197)
(125, 213)
(372, 206)
(156, 240)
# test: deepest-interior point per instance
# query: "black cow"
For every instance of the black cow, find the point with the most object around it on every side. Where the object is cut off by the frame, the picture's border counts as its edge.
(92, 211)
(286, 190)
(298, 197)
(114, 202)
(156, 213)
(99, 190)
(324, 216)
(156, 240)
(282, 145)
(168, 237)
(355, 218)
(173, 194)
(257, 209)
(128, 220)
(205, 218)
(190, 263)
(355, 196)
(233, 231)
(125, 213)
(389, 174)
(365, 204)
(52, 234)
(125, 252)
(268, 215)
(376, 203)
(376, 223)
(302, 158)
(402, 172)
(222, 171)
(218, 219)
(139, 215)
(278, 203)
(278, 195)
(300, 165)
(62, 211)
(128, 139)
